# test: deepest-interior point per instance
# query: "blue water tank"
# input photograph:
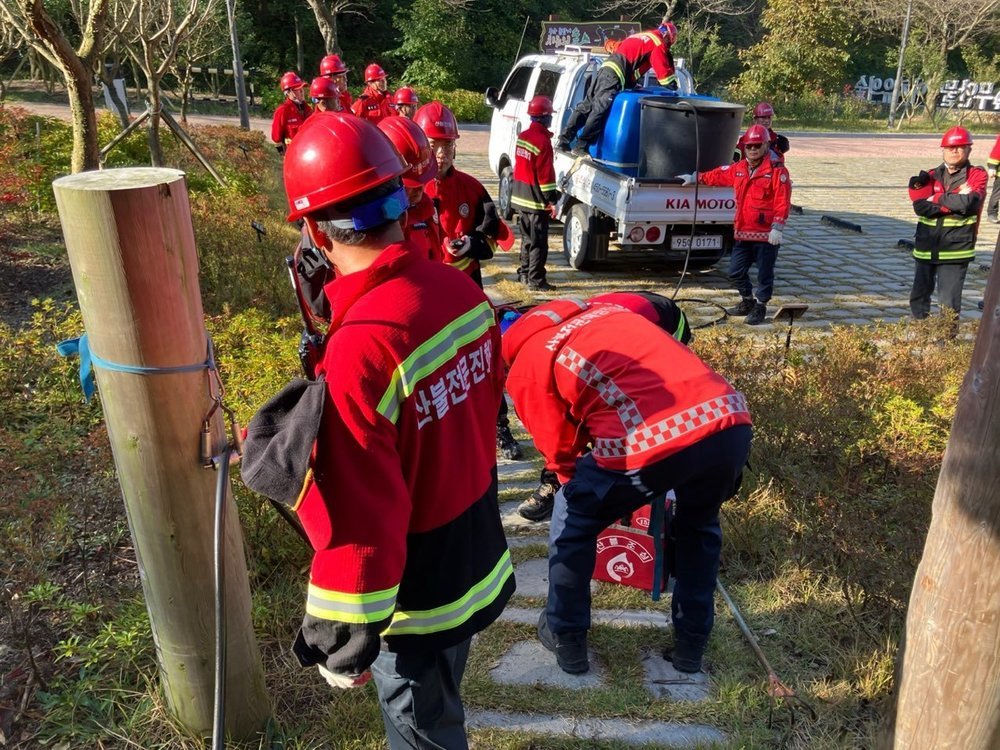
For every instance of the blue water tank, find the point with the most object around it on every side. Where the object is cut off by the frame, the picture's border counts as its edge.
(618, 146)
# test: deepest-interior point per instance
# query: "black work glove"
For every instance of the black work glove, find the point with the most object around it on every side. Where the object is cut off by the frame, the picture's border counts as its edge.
(919, 180)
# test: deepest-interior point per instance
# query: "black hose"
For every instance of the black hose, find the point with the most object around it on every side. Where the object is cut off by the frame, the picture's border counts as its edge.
(721, 319)
(222, 483)
(694, 216)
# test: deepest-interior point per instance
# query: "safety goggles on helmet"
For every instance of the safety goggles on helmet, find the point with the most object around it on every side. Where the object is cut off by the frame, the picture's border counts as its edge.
(375, 212)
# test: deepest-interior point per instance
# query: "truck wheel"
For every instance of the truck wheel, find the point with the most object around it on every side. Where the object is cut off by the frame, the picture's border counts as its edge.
(583, 241)
(505, 190)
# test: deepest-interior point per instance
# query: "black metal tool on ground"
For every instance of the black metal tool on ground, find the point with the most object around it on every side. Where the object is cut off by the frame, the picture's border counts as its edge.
(790, 312)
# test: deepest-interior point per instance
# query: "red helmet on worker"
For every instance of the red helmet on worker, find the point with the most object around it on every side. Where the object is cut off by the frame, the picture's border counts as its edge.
(332, 65)
(668, 30)
(323, 88)
(956, 136)
(290, 81)
(412, 145)
(763, 109)
(437, 121)
(540, 106)
(756, 134)
(374, 72)
(334, 157)
(405, 95)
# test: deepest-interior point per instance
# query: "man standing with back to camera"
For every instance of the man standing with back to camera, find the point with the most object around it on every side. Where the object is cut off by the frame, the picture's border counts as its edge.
(408, 546)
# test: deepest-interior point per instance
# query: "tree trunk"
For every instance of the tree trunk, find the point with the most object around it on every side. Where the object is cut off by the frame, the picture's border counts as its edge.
(86, 150)
(949, 692)
(135, 266)
(153, 131)
(327, 24)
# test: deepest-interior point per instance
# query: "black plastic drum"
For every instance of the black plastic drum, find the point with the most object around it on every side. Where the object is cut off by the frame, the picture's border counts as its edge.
(667, 138)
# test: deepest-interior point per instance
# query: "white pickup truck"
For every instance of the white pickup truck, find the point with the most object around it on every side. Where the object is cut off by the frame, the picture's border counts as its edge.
(611, 203)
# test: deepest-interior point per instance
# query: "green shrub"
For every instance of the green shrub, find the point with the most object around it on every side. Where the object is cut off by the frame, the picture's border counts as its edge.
(468, 106)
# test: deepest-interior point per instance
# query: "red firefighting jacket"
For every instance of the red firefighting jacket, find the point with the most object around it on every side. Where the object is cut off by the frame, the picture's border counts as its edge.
(763, 195)
(421, 228)
(288, 118)
(778, 144)
(637, 54)
(465, 209)
(345, 100)
(373, 105)
(948, 210)
(534, 174)
(994, 159)
(595, 373)
(407, 546)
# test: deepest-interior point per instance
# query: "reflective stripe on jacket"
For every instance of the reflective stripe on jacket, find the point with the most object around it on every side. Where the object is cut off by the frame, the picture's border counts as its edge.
(637, 54)
(948, 212)
(596, 373)
(402, 515)
(534, 174)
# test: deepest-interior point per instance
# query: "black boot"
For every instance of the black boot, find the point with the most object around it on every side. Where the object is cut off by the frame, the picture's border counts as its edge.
(507, 446)
(686, 654)
(756, 316)
(745, 306)
(570, 648)
(538, 507)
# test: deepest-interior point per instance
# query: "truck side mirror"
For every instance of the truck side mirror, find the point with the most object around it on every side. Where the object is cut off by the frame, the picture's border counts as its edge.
(494, 98)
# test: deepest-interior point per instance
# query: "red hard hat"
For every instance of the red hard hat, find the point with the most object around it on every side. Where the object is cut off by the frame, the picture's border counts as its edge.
(333, 157)
(332, 65)
(669, 31)
(374, 72)
(956, 136)
(412, 145)
(323, 88)
(763, 109)
(756, 134)
(291, 81)
(437, 121)
(540, 106)
(405, 95)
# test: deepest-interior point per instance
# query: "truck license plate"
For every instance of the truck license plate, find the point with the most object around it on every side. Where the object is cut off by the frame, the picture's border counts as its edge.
(701, 242)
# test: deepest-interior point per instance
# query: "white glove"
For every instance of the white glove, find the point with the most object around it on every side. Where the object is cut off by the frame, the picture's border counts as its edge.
(774, 237)
(343, 681)
(991, 171)
(688, 179)
(464, 245)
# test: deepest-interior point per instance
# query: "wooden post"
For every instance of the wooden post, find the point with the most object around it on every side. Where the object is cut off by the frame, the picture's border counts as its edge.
(131, 247)
(949, 681)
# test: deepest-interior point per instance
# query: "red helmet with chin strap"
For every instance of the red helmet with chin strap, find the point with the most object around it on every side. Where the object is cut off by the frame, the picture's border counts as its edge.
(756, 134)
(668, 30)
(540, 106)
(290, 81)
(405, 95)
(412, 145)
(437, 121)
(332, 65)
(956, 136)
(336, 156)
(763, 109)
(374, 72)
(323, 88)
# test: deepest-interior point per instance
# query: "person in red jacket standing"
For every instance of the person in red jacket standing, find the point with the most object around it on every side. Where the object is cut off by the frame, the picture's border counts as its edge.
(622, 70)
(657, 418)
(763, 114)
(763, 192)
(407, 548)
(948, 201)
(469, 219)
(405, 101)
(420, 222)
(325, 95)
(374, 102)
(534, 193)
(333, 67)
(291, 113)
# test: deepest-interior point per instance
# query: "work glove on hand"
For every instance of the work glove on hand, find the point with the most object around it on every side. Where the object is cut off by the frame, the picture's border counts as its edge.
(919, 180)
(774, 236)
(688, 179)
(343, 681)
(991, 171)
(553, 210)
(459, 247)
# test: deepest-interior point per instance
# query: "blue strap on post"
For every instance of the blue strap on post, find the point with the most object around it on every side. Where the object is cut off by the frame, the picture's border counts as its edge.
(656, 520)
(89, 360)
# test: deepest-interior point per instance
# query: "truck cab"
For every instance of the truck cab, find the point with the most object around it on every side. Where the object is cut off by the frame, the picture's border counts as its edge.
(607, 204)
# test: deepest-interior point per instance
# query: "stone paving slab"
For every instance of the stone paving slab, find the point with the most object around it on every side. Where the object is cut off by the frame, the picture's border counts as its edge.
(532, 578)
(530, 663)
(631, 732)
(622, 618)
(512, 520)
(666, 683)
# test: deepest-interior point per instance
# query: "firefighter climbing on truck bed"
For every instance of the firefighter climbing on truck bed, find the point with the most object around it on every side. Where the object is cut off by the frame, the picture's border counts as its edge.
(622, 70)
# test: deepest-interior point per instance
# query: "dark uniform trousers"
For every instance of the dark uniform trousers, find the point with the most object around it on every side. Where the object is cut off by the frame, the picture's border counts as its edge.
(950, 280)
(592, 110)
(534, 245)
(745, 254)
(703, 476)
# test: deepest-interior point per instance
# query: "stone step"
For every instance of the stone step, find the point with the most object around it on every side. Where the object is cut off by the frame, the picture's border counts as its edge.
(621, 618)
